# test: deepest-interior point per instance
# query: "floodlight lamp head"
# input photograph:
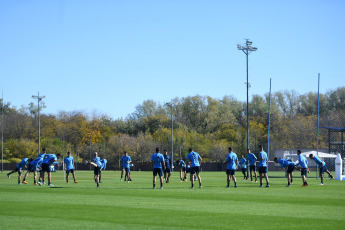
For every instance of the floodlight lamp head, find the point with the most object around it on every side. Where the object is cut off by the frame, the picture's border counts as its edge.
(248, 43)
(239, 46)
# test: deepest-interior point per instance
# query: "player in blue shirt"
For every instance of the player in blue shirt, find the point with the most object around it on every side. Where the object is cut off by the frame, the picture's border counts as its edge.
(46, 163)
(243, 163)
(323, 167)
(263, 166)
(97, 170)
(126, 163)
(194, 158)
(168, 165)
(19, 168)
(182, 166)
(302, 161)
(290, 167)
(69, 165)
(251, 158)
(158, 164)
(232, 161)
(43, 154)
(33, 167)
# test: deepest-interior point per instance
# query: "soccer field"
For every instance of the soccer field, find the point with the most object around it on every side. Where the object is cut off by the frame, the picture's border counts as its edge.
(135, 205)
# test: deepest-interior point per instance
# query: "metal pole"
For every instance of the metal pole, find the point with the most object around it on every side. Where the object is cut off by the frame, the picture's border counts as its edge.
(269, 123)
(2, 132)
(39, 125)
(318, 115)
(247, 104)
(172, 136)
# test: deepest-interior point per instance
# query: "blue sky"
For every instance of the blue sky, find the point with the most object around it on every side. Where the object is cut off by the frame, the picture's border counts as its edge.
(109, 56)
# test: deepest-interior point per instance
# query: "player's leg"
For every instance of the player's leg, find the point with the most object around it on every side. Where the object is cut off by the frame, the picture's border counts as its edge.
(251, 173)
(234, 179)
(123, 170)
(154, 178)
(181, 174)
(8, 174)
(227, 179)
(19, 175)
(35, 177)
(49, 178)
(74, 178)
(321, 177)
(67, 173)
(199, 179)
(185, 175)
(26, 174)
(192, 178)
(256, 175)
(161, 178)
(266, 177)
(289, 178)
(260, 175)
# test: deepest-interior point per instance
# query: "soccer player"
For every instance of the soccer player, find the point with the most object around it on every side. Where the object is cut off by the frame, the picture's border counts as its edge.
(168, 164)
(232, 160)
(46, 163)
(263, 166)
(126, 162)
(69, 162)
(323, 167)
(243, 163)
(251, 158)
(97, 170)
(290, 167)
(19, 168)
(33, 166)
(303, 162)
(158, 164)
(182, 165)
(194, 158)
(104, 166)
(43, 154)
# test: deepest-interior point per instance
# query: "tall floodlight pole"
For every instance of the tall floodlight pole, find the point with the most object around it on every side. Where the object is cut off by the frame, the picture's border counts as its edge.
(247, 49)
(39, 98)
(172, 132)
(2, 132)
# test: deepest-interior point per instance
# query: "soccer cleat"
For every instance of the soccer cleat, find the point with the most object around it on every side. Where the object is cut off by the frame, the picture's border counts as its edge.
(154, 188)
(24, 182)
(50, 185)
(200, 186)
(321, 184)
(228, 186)
(121, 179)
(244, 179)
(19, 183)
(256, 181)
(235, 185)
(331, 178)
(287, 185)
(66, 182)
(161, 187)
(98, 186)
(291, 182)
(267, 186)
(75, 182)
(39, 183)
(100, 181)
(260, 186)
(8, 175)
(35, 184)
(305, 185)
(185, 180)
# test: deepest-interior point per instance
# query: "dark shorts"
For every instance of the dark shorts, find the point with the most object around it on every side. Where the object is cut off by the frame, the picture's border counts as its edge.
(230, 172)
(157, 171)
(323, 169)
(127, 169)
(195, 169)
(262, 169)
(97, 170)
(252, 168)
(188, 170)
(45, 167)
(32, 168)
(167, 170)
(70, 170)
(183, 169)
(290, 169)
(244, 170)
(303, 171)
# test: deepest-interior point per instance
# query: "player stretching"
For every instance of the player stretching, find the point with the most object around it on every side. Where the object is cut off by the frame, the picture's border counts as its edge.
(194, 158)
(98, 165)
(263, 166)
(182, 166)
(19, 168)
(302, 161)
(323, 167)
(232, 160)
(251, 158)
(69, 162)
(158, 163)
(168, 164)
(33, 166)
(243, 163)
(46, 163)
(290, 167)
(126, 163)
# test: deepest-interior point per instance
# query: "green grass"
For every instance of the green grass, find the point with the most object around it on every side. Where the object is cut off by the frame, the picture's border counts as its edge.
(135, 205)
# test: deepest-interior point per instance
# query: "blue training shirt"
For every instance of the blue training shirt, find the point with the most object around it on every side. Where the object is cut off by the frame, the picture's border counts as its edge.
(104, 163)
(37, 162)
(182, 164)
(49, 159)
(22, 163)
(243, 162)
(302, 160)
(97, 161)
(194, 158)
(157, 159)
(318, 161)
(69, 163)
(167, 160)
(251, 158)
(263, 159)
(232, 159)
(125, 160)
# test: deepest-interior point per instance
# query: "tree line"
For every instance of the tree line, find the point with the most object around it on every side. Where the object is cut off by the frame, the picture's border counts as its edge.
(207, 124)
